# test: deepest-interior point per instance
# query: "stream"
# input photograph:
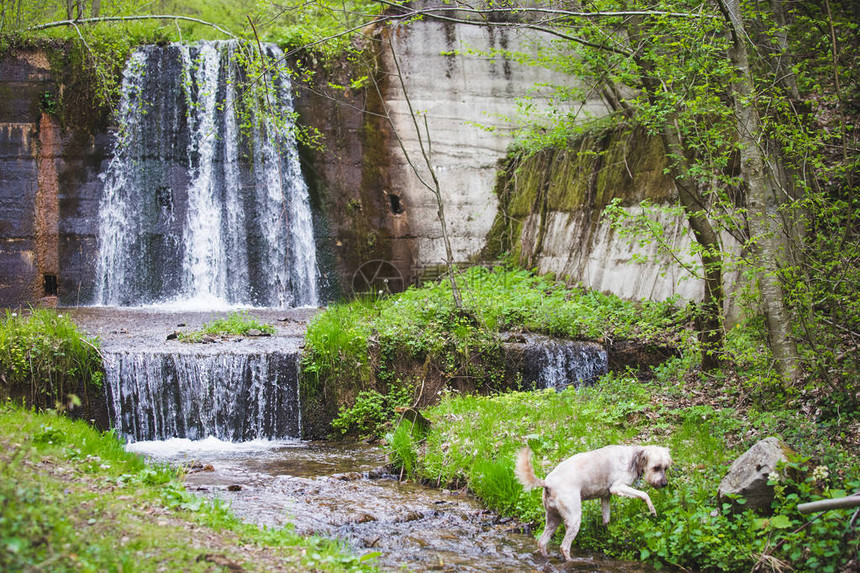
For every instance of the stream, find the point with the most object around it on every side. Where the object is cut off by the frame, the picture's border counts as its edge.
(343, 491)
(330, 489)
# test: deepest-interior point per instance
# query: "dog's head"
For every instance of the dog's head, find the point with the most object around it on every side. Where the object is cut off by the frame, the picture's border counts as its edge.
(651, 463)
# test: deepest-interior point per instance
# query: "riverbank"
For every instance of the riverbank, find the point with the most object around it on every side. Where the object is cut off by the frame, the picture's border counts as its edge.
(72, 499)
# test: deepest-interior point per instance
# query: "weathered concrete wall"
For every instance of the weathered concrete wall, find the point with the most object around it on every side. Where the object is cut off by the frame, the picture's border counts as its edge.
(466, 97)
(49, 186)
(377, 203)
(551, 218)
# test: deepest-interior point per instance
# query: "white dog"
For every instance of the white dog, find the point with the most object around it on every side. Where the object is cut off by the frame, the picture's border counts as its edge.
(591, 475)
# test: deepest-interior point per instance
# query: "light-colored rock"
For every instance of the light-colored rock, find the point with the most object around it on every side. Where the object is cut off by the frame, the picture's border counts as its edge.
(748, 475)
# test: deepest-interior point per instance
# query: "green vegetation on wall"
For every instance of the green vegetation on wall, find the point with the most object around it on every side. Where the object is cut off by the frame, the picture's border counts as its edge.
(46, 361)
(595, 167)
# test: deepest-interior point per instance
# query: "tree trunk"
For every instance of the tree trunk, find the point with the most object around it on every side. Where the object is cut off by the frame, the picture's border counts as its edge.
(764, 198)
(710, 322)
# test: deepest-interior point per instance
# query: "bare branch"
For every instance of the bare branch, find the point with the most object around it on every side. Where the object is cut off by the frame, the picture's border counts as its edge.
(126, 19)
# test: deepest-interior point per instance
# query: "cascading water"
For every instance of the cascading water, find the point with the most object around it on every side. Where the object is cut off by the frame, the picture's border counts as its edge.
(203, 198)
(227, 395)
(545, 362)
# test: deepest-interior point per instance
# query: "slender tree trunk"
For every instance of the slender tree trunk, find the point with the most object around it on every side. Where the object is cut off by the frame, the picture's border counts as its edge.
(710, 323)
(765, 196)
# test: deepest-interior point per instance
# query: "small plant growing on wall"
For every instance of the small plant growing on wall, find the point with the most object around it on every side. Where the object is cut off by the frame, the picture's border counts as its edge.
(237, 324)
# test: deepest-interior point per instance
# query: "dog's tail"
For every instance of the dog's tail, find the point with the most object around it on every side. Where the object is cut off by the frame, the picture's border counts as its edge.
(525, 472)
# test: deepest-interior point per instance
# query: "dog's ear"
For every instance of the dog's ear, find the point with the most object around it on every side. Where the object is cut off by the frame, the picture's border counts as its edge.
(639, 462)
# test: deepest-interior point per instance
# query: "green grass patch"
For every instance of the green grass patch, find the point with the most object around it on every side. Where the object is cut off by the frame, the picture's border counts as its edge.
(46, 360)
(237, 324)
(473, 440)
(363, 345)
(72, 499)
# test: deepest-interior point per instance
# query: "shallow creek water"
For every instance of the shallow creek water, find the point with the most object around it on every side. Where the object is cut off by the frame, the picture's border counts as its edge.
(342, 491)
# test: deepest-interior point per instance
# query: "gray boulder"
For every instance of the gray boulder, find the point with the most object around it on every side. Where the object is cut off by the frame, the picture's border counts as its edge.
(748, 475)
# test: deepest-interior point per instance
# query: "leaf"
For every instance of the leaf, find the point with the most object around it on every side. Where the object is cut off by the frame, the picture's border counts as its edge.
(780, 522)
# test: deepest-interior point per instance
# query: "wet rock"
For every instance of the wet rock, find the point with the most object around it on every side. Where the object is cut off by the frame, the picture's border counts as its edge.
(363, 518)
(234, 487)
(748, 475)
(349, 476)
(378, 473)
(411, 516)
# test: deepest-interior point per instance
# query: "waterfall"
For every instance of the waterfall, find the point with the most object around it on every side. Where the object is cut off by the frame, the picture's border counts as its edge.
(545, 362)
(230, 396)
(203, 197)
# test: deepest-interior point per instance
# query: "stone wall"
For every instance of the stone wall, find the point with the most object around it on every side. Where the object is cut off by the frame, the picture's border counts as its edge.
(49, 186)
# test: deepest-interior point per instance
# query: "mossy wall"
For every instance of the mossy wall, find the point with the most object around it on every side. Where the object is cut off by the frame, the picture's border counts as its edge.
(550, 214)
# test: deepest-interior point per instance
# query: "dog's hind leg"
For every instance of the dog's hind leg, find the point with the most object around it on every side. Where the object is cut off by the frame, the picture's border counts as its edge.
(604, 509)
(553, 520)
(571, 509)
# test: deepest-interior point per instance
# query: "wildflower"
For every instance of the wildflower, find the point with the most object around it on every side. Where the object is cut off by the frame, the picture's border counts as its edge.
(773, 476)
(14, 314)
(820, 473)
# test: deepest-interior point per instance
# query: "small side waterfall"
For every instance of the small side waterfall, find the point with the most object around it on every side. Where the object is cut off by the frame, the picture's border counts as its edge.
(545, 362)
(230, 396)
(204, 198)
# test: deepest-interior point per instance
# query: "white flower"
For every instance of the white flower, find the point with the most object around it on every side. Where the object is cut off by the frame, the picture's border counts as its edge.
(820, 473)
(14, 314)
(773, 476)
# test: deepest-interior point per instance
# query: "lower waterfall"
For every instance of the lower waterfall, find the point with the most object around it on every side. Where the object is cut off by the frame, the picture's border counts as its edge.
(230, 396)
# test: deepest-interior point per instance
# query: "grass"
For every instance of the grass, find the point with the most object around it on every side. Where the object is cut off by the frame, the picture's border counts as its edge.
(237, 324)
(44, 357)
(473, 440)
(72, 499)
(365, 341)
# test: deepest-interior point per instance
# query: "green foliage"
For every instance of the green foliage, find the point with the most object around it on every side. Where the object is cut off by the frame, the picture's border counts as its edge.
(423, 324)
(403, 445)
(44, 357)
(236, 324)
(473, 440)
(371, 411)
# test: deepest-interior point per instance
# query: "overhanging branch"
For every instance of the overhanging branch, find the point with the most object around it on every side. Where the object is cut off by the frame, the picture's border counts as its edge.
(75, 23)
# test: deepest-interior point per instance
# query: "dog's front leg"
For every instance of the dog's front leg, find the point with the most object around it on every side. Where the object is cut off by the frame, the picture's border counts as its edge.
(604, 509)
(625, 490)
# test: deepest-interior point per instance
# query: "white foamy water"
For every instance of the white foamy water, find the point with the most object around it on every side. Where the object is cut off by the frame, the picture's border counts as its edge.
(183, 447)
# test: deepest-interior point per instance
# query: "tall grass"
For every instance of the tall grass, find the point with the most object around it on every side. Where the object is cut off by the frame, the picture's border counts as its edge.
(45, 359)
